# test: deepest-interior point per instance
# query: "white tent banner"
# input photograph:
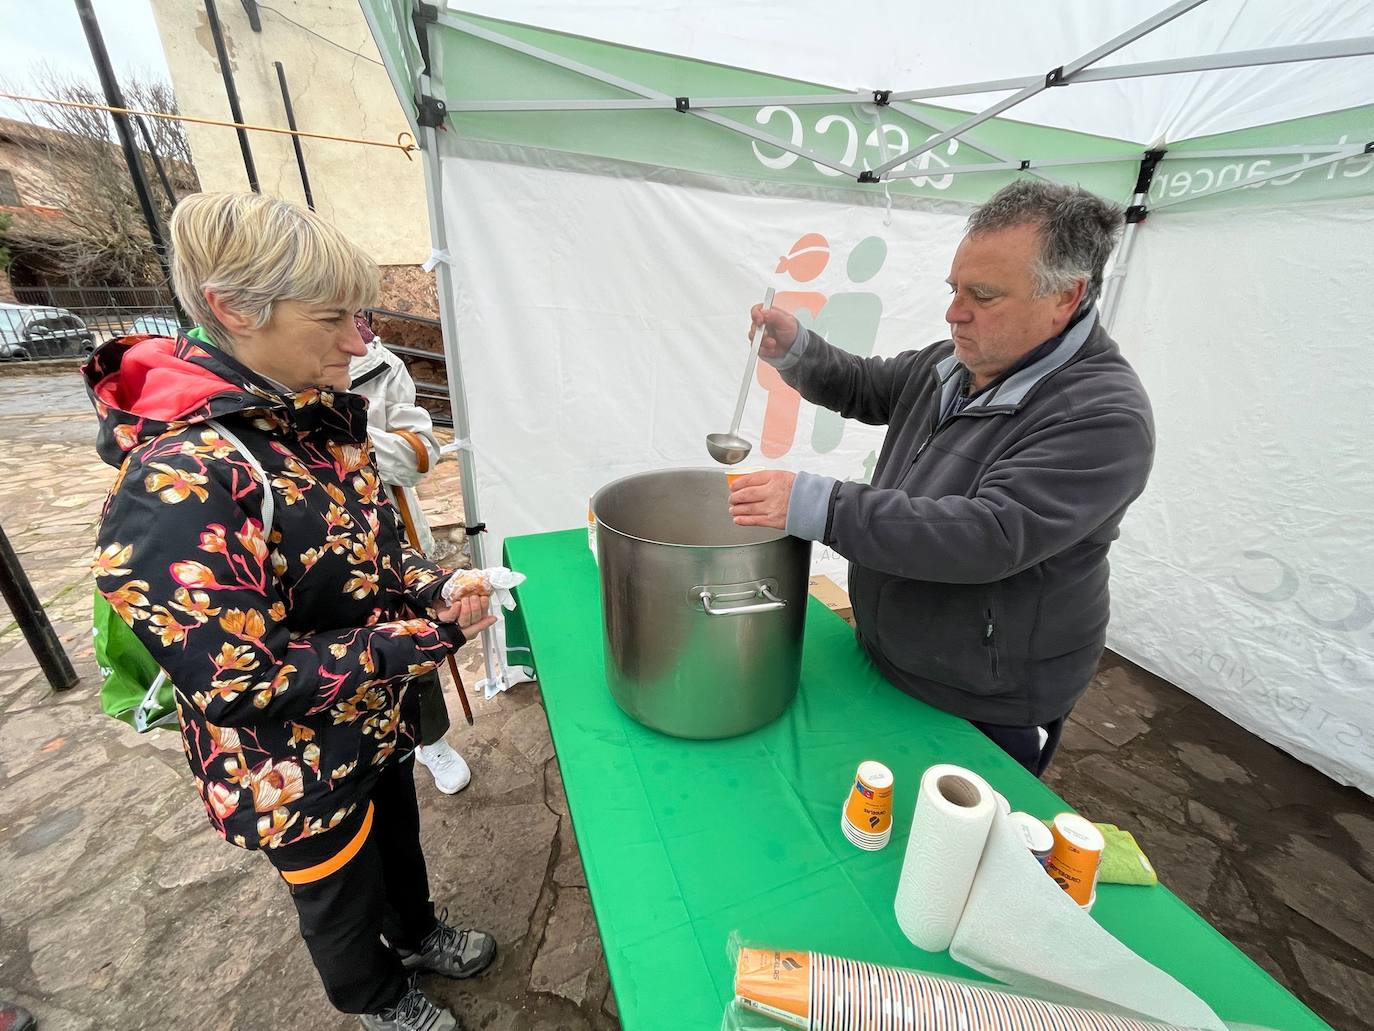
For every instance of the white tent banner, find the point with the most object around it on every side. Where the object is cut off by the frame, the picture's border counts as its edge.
(618, 186)
(604, 326)
(1245, 574)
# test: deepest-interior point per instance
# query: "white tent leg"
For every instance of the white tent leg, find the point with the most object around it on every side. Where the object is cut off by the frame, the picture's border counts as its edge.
(1111, 292)
(1135, 214)
(453, 359)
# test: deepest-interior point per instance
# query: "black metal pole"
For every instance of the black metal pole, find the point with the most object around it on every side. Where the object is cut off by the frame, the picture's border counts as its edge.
(223, 56)
(115, 98)
(295, 140)
(28, 613)
(157, 163)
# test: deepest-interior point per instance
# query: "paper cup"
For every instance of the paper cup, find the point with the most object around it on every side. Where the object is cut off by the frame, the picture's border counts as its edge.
(1076, 856)
(735, 474)
(1035, 834)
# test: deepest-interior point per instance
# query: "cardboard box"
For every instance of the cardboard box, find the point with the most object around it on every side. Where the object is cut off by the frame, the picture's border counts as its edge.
(832, 596)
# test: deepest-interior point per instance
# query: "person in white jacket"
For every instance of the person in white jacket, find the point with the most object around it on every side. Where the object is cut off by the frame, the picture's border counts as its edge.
(399, 429)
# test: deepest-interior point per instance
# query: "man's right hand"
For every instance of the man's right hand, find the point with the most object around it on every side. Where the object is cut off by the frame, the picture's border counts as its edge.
(779, 329)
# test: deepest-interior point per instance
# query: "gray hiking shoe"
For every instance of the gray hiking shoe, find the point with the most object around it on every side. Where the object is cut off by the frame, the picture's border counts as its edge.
(413, 1013)
(452, 952)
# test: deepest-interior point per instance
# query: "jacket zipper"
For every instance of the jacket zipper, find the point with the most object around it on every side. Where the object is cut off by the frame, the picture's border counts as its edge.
(989, 629)
(926, 443)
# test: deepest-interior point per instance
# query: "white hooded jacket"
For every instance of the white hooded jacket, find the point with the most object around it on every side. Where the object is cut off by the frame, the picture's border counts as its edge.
(383, 379)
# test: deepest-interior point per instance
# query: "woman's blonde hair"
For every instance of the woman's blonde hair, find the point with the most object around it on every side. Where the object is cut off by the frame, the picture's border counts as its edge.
(254, 251)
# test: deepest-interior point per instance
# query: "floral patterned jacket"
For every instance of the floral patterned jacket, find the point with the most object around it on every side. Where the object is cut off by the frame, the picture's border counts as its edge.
(291, 647)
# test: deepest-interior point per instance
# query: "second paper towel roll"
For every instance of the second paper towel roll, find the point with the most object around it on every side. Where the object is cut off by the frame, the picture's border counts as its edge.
(954, 810)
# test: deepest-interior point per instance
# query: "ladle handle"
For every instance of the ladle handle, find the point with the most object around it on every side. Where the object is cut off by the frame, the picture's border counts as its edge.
(755, 341)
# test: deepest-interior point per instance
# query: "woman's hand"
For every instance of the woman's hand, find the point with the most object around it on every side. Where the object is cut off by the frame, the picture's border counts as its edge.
(470, 613)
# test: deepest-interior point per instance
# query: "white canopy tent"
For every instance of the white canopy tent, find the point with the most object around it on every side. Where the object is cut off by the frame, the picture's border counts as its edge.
(612, 185)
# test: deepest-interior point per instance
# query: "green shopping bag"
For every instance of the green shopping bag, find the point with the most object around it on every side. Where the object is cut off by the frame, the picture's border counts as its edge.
(135, 689)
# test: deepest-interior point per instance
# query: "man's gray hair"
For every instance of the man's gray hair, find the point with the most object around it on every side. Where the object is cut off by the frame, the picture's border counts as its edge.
(1077, 230)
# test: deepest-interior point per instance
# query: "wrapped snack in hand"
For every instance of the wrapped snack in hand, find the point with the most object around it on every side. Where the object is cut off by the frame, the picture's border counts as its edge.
(497, 580)
(466, 582)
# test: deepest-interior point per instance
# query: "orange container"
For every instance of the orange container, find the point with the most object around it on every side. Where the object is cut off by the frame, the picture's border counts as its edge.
(1075, 857)
(869, 807)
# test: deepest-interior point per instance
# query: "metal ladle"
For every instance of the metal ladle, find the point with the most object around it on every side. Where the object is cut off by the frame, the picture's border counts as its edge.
(730, 448)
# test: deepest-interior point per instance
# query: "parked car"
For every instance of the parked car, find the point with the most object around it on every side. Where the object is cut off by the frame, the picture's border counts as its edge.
(157, 325)
(32, 331)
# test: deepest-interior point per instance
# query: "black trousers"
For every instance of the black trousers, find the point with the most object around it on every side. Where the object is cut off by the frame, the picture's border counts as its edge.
(1023, 743)
(361, 880)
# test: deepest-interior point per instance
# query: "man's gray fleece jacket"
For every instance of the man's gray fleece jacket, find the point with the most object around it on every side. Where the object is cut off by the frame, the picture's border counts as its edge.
(978, 556)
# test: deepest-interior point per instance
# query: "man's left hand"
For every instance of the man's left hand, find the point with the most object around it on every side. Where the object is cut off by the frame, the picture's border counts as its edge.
(761, 499)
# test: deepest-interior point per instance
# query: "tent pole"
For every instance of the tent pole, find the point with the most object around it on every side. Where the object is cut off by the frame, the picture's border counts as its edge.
(646, 92)
(1056, 77)
(1135, 214)
(1355, 150)
(453, 359)
(1356, 46)
(1306, 150)
(1111, 292)
(1027, 165)
(922, 118)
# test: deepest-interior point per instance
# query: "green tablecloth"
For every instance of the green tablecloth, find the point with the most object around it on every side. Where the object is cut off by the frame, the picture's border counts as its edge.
(686, 841)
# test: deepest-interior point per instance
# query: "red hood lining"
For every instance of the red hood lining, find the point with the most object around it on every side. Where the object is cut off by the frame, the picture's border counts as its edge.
(152, 383)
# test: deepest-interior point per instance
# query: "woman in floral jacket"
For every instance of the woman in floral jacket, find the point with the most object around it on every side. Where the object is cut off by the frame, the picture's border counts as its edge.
(291, 646)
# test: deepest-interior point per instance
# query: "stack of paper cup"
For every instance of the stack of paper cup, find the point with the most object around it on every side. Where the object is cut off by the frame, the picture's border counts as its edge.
(867, 816)
(816, 992)
(1075, 857)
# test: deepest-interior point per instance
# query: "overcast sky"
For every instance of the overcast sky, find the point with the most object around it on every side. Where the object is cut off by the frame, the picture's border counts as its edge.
(38, 31)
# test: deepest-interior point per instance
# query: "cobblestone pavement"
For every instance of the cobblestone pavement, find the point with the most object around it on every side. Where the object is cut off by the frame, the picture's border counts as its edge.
(120, 908)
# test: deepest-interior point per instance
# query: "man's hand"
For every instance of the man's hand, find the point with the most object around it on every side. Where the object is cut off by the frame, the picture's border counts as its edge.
(470, 613)
(761, 499)
(779, 330)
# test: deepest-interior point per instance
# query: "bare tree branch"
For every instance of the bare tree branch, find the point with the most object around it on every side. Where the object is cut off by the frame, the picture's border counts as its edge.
(100, 237)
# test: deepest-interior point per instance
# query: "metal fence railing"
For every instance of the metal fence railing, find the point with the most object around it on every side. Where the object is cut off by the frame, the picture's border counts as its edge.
(63, 321)
(71, 321)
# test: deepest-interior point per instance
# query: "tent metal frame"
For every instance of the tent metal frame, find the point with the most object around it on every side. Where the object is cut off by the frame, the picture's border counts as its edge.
(1076, 71)
(1357, 46)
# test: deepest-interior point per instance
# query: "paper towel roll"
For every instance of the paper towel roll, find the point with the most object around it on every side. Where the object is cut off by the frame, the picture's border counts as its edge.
(1020, 927)
(969, 884)
(954, 811)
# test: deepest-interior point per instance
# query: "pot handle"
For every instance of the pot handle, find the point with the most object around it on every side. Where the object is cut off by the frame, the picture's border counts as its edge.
(772, 603)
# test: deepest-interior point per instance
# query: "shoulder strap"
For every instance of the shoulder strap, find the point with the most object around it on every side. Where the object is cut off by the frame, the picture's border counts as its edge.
(268, 504)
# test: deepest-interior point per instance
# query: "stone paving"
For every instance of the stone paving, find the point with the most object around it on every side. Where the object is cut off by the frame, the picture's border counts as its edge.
(1278, 857)
(120, 908)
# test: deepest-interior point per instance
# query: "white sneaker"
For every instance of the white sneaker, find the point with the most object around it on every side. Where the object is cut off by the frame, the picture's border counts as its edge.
(451, 773)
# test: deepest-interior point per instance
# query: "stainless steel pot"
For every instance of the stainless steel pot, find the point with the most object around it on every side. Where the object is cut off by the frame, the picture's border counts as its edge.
(703, 619)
